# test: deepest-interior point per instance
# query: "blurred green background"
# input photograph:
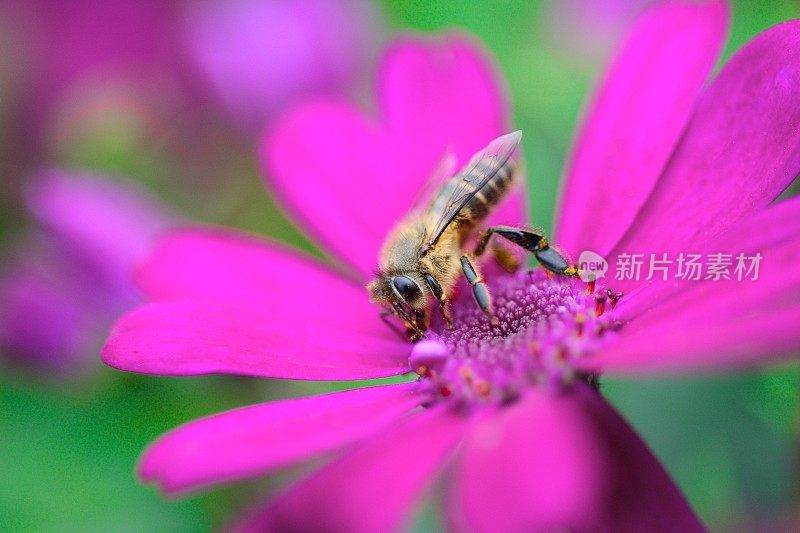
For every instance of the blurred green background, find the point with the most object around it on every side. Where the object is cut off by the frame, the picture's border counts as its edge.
(68, 446)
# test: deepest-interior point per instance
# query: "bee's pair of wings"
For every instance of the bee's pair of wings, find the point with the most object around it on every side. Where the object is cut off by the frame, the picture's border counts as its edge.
(463, 186)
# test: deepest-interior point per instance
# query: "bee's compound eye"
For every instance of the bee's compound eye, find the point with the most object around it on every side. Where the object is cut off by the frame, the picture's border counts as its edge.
(407, 288)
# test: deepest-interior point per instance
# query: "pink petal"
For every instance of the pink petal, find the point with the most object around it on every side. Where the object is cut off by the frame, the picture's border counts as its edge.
(533, 466)
(590, 30)
(705, 344)
(304, 306)
(253, 440)
(110, 222)
(436, 96)
(740, 151)
(640, 496)
(340, 176)
(706, 325)
(56, 57)
(233, 266)
(45, 318)
(636, 120)
(372, 488)
(325, 158)
(558, 462)
(260, 56)
(61, 287)
(768, 230)
(200, 337)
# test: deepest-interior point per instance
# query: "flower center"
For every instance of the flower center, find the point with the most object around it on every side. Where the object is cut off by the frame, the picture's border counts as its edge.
(546, 325)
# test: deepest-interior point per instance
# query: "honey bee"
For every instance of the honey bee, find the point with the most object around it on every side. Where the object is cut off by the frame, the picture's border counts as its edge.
(424, 255)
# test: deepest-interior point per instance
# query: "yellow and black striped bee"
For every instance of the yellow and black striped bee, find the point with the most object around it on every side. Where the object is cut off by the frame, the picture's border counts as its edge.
(424, 255)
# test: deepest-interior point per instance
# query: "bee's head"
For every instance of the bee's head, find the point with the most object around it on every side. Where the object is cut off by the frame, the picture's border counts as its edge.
(387, 289)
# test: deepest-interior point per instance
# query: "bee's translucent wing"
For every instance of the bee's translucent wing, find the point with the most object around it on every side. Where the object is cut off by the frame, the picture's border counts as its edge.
(437, 180)
(481, 168)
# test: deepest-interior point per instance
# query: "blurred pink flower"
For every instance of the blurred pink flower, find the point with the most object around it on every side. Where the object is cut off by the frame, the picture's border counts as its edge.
(261, 56)
(591, 29)
(70, 57)
(528, 443)
(63, 283)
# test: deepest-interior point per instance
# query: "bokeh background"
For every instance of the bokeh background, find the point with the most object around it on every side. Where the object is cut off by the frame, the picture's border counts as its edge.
(171, 97)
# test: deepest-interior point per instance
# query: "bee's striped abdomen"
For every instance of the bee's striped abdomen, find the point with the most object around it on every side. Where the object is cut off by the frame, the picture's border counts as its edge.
(492, 192)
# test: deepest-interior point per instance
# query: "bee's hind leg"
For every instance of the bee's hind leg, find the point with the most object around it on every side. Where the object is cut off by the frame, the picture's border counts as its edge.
(479, 289)
(547, 256)
(507, 260)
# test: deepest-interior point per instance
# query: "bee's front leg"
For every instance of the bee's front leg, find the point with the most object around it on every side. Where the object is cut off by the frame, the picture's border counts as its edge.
(385, 318)
(416, 325)
(479, 289)
(444, 304)
(444, 307)
(422, 321)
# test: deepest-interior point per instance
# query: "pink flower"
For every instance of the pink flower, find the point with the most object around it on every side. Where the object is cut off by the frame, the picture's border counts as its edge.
(512, 419)
(71, 60)
(261, 56)
(590, 29)
(64, 282)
